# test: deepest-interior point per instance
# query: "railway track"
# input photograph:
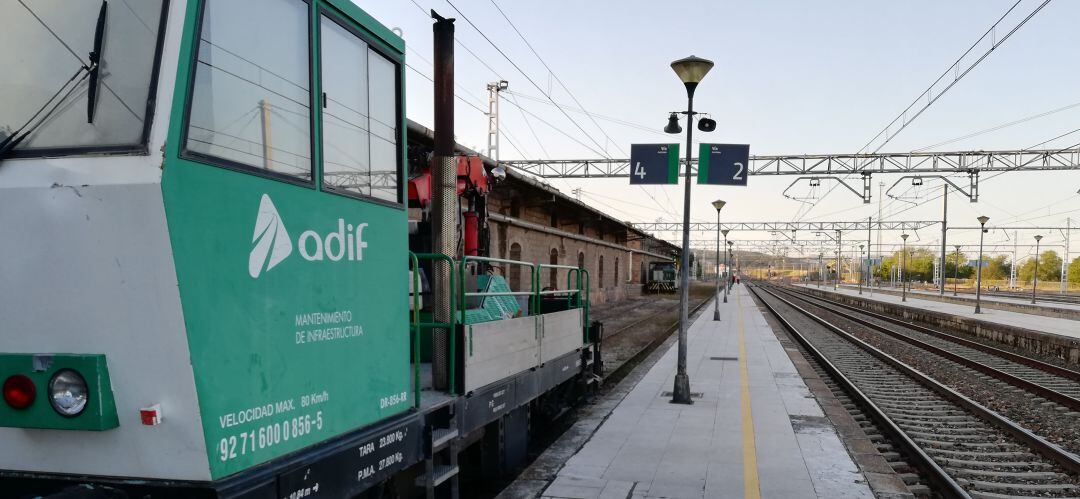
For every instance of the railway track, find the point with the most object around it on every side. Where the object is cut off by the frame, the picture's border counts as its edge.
(1055, 383)
(959, 447)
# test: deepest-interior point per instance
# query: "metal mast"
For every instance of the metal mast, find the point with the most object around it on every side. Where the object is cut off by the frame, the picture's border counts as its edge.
(493, 117)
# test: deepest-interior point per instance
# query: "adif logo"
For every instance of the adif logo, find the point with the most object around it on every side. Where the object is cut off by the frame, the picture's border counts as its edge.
(272, 242)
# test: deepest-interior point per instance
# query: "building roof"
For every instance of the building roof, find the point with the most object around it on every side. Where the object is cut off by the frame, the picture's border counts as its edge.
(420, 133)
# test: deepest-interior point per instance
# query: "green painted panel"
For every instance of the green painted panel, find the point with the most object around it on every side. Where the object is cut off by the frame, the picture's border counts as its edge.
(703, 164)
(100, 411)
(673, 164)
(295, 301)
(275, 322)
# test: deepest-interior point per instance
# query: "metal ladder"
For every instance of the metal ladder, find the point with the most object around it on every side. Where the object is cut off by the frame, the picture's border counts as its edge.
(441, 447)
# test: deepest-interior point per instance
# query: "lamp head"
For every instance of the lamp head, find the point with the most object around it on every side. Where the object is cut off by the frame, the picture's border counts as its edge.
(725, 231)
(983, 219)
(692, 70)
(673, 124)
(718, 204)
(903, 236)
(1038, 238)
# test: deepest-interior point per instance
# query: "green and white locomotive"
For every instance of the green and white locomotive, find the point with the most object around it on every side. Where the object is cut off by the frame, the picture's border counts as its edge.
(207, 286)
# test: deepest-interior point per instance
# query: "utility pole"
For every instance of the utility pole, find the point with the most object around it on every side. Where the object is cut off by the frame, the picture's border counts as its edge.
(1013, 268)
(944, 221)
(880, 196)
(839, 249)
(493, 117)
(267, 135)
(1065, 260)
(869, 267)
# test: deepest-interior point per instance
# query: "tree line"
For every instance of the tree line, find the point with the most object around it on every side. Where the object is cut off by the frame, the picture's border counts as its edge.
(921, 263)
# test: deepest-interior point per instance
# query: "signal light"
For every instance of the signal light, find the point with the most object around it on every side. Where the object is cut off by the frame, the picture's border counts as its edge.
(19, 391)
(68, 393)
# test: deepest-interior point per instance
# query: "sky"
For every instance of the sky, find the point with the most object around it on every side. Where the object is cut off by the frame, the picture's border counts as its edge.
(791, 77)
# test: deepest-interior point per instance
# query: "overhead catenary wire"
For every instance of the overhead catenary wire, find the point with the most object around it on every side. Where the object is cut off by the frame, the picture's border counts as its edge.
(529, 78)
(557, 79)
(612, 119)
(954, 67)
(999, 127)
(928, 95)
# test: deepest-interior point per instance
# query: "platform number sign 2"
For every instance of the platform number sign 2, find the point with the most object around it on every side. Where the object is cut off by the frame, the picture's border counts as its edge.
(723, 164)
(654, 163)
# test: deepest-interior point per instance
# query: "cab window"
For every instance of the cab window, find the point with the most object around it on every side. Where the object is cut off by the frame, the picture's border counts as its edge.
(250, 101)
(360, 114)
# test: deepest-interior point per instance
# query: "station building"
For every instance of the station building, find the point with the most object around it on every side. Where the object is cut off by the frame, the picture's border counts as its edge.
(534, 222)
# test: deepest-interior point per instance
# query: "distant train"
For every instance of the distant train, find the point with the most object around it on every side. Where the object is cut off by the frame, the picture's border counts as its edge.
(663, 277)
(224, 274)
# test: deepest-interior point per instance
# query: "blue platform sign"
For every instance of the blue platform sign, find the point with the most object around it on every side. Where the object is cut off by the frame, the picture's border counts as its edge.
(654, 164)
(723, 164)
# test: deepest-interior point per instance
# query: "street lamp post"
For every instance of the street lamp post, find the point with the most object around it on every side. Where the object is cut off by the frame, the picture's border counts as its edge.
(1035, 276)
(730, 258)
(860, 268)
(718, 204)
(820, 269)
(978, 271)
(690, 70)
(727, 278)
(956, 270)
(836, 283)
(903, 269)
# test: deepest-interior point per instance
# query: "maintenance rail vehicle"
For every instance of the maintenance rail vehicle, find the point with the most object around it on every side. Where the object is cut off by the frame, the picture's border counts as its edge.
(218, 274)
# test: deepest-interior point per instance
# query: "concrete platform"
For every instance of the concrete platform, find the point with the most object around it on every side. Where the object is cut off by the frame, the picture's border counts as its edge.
(1053, 325)
(989, 300)
(753, 431)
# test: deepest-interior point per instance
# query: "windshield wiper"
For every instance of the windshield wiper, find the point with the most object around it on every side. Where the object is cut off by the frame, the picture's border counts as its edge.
(27, 128)
(86, 71)
(95, 63)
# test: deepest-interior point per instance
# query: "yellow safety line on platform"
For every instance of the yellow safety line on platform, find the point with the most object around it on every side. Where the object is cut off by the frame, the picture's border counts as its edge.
(751, 487)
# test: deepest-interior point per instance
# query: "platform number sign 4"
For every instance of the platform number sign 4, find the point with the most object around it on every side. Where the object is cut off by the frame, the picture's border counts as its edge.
(723, 164)
(654, 163)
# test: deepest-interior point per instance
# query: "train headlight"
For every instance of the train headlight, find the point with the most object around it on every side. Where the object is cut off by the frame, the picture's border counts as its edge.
(19, 391)
(68, 393)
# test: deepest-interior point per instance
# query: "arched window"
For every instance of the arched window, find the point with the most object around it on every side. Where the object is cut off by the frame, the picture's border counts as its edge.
(600, 272)
(514, 272)
(616, 271)
(642, 278)
(553, 275)
(581, 260)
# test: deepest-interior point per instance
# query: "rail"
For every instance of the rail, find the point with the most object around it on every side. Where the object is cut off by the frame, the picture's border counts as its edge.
(579, 298)
(580, 293)
(1066, 460)
(414, 260)
(482, 294)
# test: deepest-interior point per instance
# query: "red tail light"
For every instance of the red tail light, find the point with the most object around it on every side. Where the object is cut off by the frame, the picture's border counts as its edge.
(19, 391)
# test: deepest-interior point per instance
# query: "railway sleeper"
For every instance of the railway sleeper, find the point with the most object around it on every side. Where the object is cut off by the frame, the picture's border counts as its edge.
(1055, 488)
(976, 464)
(945, 444)
(1008, 475)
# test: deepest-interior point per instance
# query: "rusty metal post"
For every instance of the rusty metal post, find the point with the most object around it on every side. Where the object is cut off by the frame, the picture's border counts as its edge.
(444, 191)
